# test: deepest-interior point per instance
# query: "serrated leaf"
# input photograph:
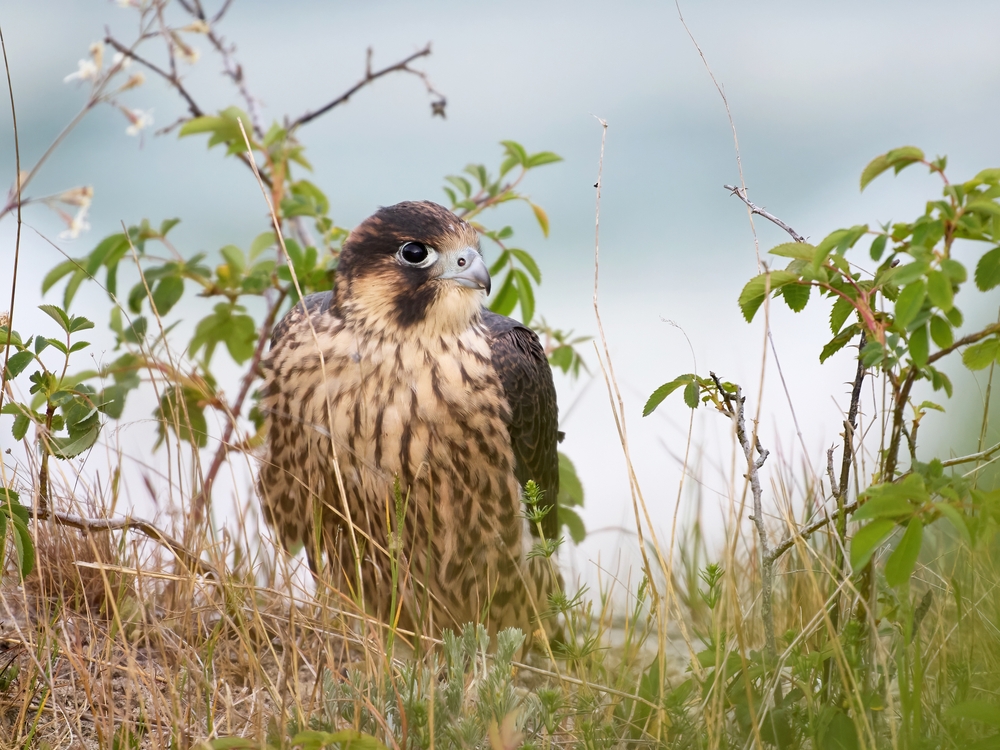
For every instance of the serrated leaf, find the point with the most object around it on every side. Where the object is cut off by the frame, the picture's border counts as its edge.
(872, 354)
(841, 310)
(796, 296)
(657, 397)
(57, 314)
(941, 332)
(899, 567)
(874, 168)
(981, 355)
(797, 250)
(756, 289)
(867, 539)
(79, 323)
(903, 156)
(20, 427)
(691, 394)
(17, 362)
(838, 342)
(909, 302)
(919, 346)
(988, 270)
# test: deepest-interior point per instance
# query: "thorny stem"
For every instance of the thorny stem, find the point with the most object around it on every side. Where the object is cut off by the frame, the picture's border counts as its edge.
(732, 407)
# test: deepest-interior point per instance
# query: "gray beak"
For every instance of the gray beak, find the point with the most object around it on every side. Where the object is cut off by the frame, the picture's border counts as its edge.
(468, 269)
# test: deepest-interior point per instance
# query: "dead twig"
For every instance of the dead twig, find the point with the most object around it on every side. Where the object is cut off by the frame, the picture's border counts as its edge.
(403, 66)
(732, 407)
(741, 193)
(130, 524)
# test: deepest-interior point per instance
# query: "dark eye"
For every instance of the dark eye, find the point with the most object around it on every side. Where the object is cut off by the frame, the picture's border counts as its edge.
(413, 252)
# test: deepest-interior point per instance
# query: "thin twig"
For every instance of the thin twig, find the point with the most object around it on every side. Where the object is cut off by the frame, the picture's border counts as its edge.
(784, 546)
(733, 408)
(369, 78)
(130, 524)
(740, 193)
(981, 456)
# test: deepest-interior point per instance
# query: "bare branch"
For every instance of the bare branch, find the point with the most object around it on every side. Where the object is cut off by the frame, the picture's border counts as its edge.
(129, 524)
(403, 66)
(786, 544)
(981, 456)
(755, 209)
(170, 78)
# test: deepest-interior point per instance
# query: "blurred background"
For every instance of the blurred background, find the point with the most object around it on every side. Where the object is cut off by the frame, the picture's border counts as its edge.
(815, 89)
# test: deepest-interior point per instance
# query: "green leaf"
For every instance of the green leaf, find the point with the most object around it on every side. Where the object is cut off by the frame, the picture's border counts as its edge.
(261, 243)
(529, 263)
(797, 250)
(541, 217)
(24, 546)
(867, 540)
(52, 277)
(796, 296)
(184, 416)
(899, 567)
(872, 354)
(167, 293)
(516, 150)
(988, 270)
(940, 291)
(909, 302)
(241, 338)
(17, 362)
(573, 523)
(987, 713)
(941, 332)
(234, 259)
(878, 247)
(79, 323)
(986, 208)
(657, 397)
(570, 487)
(542, 157)
(506, 299)
(348, 739)
(20, 427)
(919, 346)
(838, 342)
(841, 310)
(903, 156)
(691, 394)
(957, 520)
(893, 507)
(981, 355)
(756, 289)
(903, 275)
(57, 314)
(875, 167)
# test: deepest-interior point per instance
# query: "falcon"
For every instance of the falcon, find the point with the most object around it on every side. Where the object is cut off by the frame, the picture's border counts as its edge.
(404, 421)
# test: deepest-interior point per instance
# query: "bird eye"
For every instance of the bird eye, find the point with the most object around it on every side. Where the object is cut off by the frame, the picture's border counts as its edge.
(415, 253)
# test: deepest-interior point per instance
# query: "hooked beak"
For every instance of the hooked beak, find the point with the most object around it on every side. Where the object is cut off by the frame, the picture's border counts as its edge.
(468, 269)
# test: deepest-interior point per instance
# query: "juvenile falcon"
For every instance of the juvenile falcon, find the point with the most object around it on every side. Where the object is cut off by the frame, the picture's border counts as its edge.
(428, 403)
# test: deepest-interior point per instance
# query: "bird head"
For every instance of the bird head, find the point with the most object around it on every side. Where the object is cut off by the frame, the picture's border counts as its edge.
(415, 264)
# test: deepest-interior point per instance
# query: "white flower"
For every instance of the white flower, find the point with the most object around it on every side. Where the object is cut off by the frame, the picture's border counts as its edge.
(139, 120)
(86, 71)
(77, 225)
(78, 196)
(198, 27)
(120, 61)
